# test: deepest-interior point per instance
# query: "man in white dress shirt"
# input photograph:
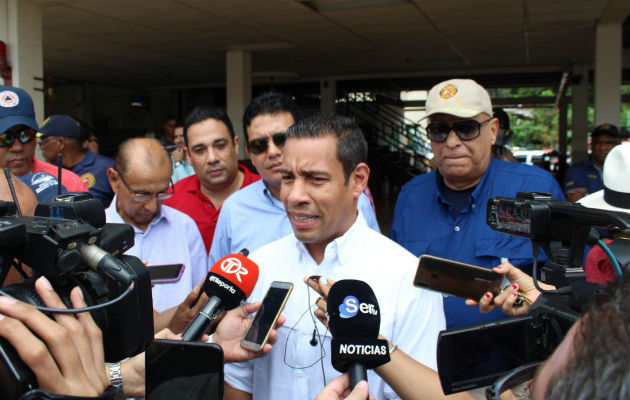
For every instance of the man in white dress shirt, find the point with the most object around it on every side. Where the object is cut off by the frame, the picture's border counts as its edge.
(324, 172)
(140, 179)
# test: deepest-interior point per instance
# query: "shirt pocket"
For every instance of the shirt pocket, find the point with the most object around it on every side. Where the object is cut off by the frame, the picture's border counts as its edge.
(517, 249)
(416, 247)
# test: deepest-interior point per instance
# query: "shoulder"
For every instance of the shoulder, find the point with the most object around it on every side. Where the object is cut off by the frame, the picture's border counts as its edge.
(508, 169)
(270, 251)
(379, 247)
(418, 189)
(104, 160)
(244, 195)
(178, 218)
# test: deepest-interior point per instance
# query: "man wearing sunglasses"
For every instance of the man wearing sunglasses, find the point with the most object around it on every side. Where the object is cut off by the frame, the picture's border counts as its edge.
(443, 213)
(140, 179)
(18, 131)
(255, 216)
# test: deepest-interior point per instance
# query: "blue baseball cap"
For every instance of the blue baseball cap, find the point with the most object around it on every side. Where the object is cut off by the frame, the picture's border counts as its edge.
(61, 125)
(16, 108)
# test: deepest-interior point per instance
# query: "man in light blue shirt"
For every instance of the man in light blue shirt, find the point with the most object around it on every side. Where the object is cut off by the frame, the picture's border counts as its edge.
(140, 178)
(254, 215)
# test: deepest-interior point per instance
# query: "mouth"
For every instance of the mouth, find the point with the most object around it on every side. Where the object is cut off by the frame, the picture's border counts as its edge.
(275, 166)
(17, 162)
(302, 220)
(216, 172)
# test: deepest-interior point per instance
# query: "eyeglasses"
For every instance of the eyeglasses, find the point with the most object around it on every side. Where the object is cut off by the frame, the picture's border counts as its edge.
(467, 129)
(513, 380)
(24, 136)
(141, 197)
(260, 145)
(43, 141)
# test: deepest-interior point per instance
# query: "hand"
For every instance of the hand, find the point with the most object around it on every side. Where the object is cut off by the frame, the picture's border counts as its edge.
(232, 329)
(133, 369)
(322, 287)
(65, 353)
(339, 388)
(178, 154)
(187, 310)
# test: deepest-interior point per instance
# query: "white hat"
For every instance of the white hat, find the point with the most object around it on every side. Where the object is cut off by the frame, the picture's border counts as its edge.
(616, 193)
(463, 98)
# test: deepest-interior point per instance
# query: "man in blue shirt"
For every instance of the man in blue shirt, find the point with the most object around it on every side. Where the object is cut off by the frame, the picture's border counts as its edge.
(254, 215)
(586, 176)
(63, 134)
(443, 213)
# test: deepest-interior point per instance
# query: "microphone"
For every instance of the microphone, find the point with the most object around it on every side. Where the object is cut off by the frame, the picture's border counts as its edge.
(230, 281)
(354, 319)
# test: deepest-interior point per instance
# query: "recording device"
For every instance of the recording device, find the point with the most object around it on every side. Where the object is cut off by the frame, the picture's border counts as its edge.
(562, 229)
(354, 319)
(456, 278)
(68, 242)
(229, 282)
(257, 335)
(183, 370)
(165, 273)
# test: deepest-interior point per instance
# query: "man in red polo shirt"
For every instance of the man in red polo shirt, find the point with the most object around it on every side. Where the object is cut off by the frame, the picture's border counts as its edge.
(213, 151)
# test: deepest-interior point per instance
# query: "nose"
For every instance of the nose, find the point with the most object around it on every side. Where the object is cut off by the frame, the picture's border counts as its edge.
(212, 156)
(297, 194)
(273, 151)
(452, 140)
(17, 146)
(152, 205)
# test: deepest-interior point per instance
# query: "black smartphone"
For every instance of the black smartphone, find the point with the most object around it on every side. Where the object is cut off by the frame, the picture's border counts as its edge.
(258, 333)
(456, 278)
(165, 273)
(183, 370)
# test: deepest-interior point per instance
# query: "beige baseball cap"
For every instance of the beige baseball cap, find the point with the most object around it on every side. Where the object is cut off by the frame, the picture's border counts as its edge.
(462, 98)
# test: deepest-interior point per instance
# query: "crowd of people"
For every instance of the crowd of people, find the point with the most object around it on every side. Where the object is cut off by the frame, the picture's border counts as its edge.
(305, 211)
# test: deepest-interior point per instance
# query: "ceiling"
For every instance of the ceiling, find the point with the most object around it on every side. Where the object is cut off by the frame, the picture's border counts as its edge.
(162, 43)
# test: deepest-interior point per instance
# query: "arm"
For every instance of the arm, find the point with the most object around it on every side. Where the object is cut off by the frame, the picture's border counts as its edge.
(235, 394)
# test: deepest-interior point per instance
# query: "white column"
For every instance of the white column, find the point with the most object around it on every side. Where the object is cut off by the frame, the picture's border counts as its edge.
(238, 68)
(579, 118)
(21, 30)
(608, 73)
(328, 95)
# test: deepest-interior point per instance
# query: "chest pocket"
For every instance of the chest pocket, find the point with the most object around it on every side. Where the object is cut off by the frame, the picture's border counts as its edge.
(416, 247)
(517, 249)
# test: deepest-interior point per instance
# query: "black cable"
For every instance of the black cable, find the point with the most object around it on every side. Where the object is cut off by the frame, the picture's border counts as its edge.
(561, 290)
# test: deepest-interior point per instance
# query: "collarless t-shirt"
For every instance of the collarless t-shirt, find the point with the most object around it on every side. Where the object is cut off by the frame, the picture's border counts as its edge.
(69, 179)
(189, 199)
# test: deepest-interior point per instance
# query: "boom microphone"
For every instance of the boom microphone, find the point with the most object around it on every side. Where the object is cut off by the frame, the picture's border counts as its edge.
(354, 319)
(229, 282)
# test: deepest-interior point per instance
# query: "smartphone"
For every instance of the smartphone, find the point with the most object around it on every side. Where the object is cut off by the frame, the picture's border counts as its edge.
(183, 370)
(456, 278)
(165, 273)
(257, 335)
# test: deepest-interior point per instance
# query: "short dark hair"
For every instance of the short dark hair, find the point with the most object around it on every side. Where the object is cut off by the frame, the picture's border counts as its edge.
(270, 103)
(199, 114)
(599, 367)
(351, 144)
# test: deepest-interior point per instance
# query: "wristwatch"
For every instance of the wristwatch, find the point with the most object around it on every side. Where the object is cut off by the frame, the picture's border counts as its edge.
(115, 377)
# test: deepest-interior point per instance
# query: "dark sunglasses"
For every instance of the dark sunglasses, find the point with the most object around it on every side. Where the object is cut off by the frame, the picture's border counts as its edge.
(24, 136)
(260, 145)
(467, 129)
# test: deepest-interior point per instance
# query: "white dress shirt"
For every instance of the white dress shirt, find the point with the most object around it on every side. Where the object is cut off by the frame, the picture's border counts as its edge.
(410, 317)
(172, 237)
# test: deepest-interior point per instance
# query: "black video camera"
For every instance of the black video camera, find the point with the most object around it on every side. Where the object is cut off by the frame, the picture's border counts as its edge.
(475, 356)
(69, 243)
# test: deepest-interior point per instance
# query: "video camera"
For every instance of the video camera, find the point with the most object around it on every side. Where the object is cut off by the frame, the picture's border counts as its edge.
(69, 243)
(475, 356)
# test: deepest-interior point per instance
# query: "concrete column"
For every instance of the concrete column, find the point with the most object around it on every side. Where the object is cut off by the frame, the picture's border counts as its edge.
(21, 30)
(579, 121)
(239, 91)
(328, 95)
(562, 125)
(608, 73)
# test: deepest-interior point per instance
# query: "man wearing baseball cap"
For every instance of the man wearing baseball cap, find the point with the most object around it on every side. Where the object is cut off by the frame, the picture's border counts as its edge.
(18, 130)
(586, 176)
(62, 134)
(443, 213)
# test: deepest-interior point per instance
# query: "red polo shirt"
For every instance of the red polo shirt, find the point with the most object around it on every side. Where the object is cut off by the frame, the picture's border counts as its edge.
(189, 199)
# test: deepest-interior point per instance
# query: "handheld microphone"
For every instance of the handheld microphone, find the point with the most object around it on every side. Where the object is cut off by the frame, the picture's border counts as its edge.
(354, 319)
(230, 281)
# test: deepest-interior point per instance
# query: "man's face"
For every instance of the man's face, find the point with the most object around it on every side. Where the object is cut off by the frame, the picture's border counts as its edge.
(19, 156)
(179, 137)
(601, 146)
(51, 146)
(269, 163)
(213, 154)
(140, 180)
(169, 128)
(464, 161)
(320, 204)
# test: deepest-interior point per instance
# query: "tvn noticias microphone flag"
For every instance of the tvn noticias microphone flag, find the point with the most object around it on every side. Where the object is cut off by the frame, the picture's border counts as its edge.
(235, 274)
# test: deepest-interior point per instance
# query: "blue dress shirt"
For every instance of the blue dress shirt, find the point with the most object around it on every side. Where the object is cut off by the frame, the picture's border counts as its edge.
(583, 175)
(424, 223)
(252, 217)
(93, 172)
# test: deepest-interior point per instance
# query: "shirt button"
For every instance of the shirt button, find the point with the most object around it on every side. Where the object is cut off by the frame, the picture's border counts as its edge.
(456, 229)
(473, 206)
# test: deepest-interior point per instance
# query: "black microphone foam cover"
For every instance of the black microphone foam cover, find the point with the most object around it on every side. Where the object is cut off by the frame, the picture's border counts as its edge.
(353, 310)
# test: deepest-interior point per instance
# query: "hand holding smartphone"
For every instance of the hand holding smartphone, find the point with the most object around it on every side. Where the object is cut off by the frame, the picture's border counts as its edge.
(258, 333)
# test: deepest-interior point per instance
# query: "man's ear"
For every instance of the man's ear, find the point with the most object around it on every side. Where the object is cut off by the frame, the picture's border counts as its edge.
(359, 179)
(494, 130)
(236, 145)
(112, 176)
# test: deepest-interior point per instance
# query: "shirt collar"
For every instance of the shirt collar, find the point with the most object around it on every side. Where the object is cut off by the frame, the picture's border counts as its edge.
(88, 159)
(267, 194)
(113, 216)
(340, 248)
(476, 194)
